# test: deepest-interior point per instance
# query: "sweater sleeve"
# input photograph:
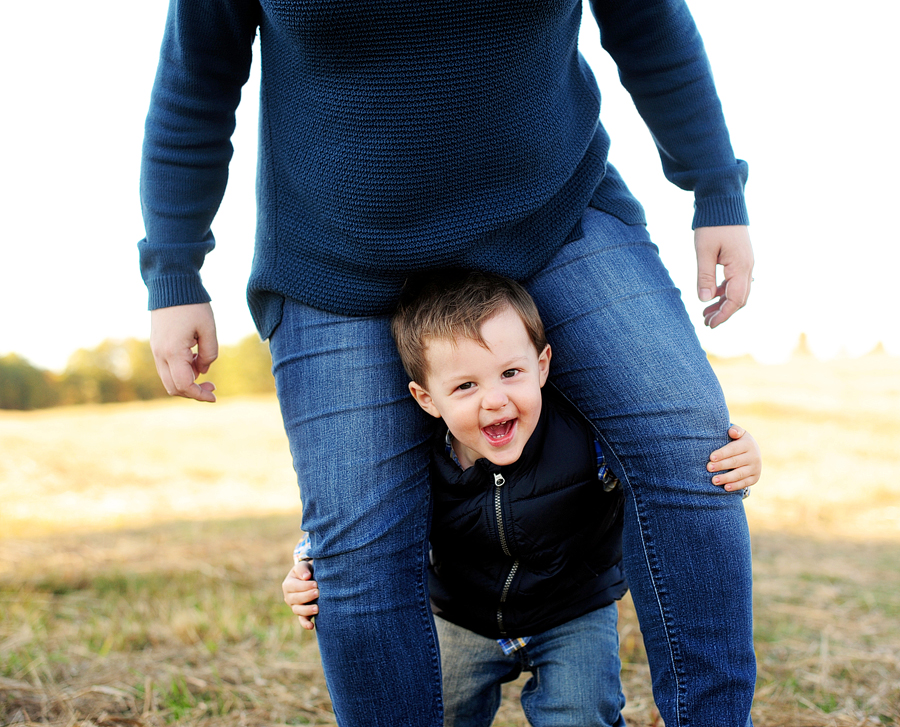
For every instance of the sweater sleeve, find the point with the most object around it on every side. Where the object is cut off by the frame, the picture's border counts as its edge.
(204, 61)
(663, 65)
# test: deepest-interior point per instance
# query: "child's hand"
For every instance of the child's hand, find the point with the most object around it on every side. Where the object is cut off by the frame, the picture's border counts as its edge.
(299, 591)
(741, 456)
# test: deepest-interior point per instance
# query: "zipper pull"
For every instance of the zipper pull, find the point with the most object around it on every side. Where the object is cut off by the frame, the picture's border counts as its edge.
(499, 481)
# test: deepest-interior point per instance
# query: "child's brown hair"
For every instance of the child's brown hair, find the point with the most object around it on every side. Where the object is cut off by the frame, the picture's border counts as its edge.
(453, 304)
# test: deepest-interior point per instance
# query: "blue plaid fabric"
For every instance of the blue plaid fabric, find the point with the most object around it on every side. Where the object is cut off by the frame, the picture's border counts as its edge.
(301, 550)
(511, 646)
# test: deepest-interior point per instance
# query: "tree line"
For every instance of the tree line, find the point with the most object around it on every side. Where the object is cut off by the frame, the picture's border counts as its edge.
(123, 370)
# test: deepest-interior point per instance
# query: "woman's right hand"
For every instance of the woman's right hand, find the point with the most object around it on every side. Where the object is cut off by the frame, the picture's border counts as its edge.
(173, 334)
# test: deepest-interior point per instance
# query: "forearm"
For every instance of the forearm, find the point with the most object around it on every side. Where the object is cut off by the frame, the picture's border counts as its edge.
(204, 61)
(663, 65)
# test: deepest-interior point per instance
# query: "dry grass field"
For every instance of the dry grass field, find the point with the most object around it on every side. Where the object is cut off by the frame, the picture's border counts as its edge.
(142, 548)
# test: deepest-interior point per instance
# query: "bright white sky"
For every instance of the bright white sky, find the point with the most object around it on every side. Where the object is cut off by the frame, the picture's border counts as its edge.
(810, 93)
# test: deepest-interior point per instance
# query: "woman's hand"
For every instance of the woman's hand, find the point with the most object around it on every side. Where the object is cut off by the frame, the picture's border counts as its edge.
(173, 334)
(728, 246)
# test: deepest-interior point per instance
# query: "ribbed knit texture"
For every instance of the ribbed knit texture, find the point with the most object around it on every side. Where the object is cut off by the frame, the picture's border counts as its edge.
(398, 135)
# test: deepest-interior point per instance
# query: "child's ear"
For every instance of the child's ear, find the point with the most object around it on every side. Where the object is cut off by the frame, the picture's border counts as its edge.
(544, 364)
(423, 399)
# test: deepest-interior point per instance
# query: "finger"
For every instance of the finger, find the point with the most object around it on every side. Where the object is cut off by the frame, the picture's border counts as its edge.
(183, 380)
(293, 590)
(727, 308)
(734, 473)
(712, 310)
(176, 371)
(737, 479)
(736, 431)
(162, 369)
(732, 449)
(182, 375)
(741, 484)
(737, 292)
(299, 591)
(707, 257)
(728, 463)
(729, 451)
(307, 611)
(207, 349)
(721, 454)
(306, 623)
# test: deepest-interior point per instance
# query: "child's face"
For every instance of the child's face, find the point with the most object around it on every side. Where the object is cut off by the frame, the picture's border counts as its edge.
(489, 397)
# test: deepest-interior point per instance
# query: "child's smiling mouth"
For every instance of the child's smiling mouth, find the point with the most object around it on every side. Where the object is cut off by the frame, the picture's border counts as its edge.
(500, 434)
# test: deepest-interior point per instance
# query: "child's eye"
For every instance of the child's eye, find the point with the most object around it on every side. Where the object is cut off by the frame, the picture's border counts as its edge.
(509, 373)
(466, 386)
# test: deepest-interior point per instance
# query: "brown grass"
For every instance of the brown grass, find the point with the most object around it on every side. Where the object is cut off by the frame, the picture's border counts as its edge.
(143, 547)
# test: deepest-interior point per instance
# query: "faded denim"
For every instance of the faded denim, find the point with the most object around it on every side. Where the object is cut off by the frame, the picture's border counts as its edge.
(625, 352)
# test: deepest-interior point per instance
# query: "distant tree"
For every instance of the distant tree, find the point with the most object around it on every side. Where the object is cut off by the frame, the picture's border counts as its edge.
(23, 386)
(142, 375)
(244, 368)
(116, 370)
(98, 375)
(123, 370)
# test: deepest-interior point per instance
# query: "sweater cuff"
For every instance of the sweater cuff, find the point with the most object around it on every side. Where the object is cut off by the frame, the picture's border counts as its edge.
(176, 290)
(715, 211)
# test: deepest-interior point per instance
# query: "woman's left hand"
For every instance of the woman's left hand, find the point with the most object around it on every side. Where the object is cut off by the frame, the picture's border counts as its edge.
(728, 246)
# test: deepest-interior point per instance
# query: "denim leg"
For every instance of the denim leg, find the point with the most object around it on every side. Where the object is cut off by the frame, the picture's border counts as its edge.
(625, 352)
(359, 445)
(473, 667)
(576, 670)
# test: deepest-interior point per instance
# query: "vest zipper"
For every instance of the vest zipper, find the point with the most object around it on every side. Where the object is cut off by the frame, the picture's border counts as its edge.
(499, 481)
(509, 580)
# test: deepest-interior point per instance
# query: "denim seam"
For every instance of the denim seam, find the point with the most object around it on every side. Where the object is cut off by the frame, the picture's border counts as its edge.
(651, 561)
(425, 609)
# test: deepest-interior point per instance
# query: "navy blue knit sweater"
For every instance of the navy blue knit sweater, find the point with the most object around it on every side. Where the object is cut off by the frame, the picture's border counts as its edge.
(400, 135)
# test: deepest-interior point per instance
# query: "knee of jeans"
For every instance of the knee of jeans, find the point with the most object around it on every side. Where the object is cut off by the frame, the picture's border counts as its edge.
(364, 498)
(382, 576)
(379, 530)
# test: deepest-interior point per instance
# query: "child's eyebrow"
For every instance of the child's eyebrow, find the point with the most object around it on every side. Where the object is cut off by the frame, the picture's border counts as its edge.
(457, 379)
(517, 359)
(504, 365)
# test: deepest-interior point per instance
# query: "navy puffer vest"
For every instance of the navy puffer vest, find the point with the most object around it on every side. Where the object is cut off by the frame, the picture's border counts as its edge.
(519, 549)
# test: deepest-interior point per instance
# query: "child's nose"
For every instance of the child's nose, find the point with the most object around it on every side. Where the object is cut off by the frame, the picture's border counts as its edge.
(494, 399)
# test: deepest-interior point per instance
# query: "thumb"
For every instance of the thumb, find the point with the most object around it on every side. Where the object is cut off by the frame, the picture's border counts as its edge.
(706, 272)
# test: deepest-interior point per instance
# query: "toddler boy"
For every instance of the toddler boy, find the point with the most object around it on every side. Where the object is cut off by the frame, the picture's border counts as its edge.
(527, 523)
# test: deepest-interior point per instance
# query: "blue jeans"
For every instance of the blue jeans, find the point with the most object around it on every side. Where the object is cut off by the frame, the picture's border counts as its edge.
(575, 674)
(625, 352)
